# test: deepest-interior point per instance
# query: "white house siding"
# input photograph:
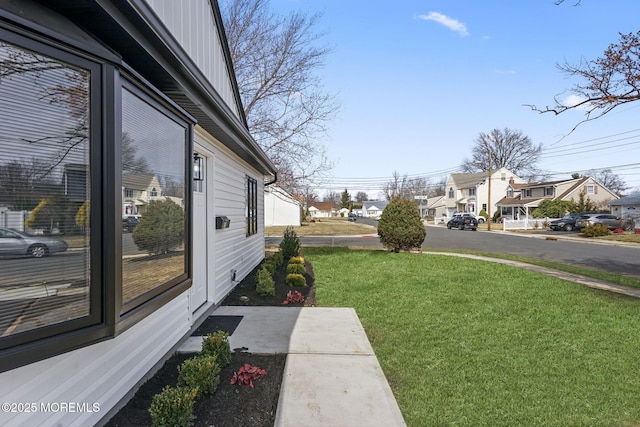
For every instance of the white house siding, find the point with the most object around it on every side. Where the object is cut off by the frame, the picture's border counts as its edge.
(193, 26)
(102, 373)
(280, 208)
(233, 249)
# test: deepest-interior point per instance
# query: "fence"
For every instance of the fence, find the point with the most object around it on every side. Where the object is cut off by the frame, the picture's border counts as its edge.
(526, 223)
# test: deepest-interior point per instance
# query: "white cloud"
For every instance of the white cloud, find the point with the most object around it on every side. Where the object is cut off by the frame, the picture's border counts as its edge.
(573, 100)
(450, 23)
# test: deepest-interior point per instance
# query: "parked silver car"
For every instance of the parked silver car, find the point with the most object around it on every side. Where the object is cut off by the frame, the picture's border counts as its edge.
(610, 221)
(14, 242)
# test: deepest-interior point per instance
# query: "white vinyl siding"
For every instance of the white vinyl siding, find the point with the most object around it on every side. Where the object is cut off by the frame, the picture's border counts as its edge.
(193, 26)
(102, 373)
(233, 249)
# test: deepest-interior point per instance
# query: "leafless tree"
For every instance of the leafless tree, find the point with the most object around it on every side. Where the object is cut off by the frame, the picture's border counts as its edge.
(609, 81)
(332, 197)
(403, 187)
(275, 60)
(609, 179)
(22, 184)
(361, 196)
(504, 148)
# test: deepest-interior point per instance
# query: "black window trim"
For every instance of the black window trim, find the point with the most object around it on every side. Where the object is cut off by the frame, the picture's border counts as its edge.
(106, 318)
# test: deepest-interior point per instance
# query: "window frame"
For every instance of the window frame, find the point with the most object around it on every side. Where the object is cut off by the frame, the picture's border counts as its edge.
(251, 206)
(105, 319)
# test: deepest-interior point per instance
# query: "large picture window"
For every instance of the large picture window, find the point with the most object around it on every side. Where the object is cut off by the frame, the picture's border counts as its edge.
(153, 172)
(45, 169)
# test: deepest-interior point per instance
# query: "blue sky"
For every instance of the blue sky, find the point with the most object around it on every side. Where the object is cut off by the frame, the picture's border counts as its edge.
(419, 80)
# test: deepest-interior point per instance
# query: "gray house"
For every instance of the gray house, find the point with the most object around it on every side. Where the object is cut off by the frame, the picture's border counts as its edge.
(94, 92)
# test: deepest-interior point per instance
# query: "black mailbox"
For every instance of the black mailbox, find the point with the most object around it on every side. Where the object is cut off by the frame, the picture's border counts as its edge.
(222, 222)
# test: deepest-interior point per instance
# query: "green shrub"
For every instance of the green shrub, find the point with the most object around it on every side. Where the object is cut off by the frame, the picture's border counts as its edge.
(400, 226)
(173, 407)
(264, 283)
(161, 228)
(296, 260)
(200, 373)
(294, 279)
(595, 230)
(270, 265)
(277, 258)
(217, 344)
(290, 245)
(296, 268)
(484, 214)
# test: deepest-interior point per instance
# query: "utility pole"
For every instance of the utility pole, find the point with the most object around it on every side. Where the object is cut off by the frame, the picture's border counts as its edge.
(489, 192)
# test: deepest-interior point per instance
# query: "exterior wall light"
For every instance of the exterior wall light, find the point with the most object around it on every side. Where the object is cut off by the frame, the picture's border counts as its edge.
(198, 172)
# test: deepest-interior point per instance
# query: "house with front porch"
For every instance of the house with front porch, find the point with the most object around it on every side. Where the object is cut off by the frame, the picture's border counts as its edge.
(137, 191)
(469, 192)
(373, 208)
(90, 88)
(521, 200)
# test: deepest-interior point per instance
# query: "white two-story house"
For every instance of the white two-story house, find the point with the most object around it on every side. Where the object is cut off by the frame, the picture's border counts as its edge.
(469, 192)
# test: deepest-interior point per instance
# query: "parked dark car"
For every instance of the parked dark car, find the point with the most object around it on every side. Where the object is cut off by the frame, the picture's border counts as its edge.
(567, 222)
(129, 223)
(352, 217)
(463, 221)
(14, 242)
(610, 221)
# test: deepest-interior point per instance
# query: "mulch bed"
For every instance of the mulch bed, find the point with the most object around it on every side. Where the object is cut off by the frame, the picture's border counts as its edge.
(230, 405)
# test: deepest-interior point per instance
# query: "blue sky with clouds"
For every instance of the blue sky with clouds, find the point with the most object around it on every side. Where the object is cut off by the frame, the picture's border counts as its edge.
(419, 80)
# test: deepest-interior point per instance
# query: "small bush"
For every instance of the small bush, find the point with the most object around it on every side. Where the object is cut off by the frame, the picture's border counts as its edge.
(595, 230)
(294, 297)
(200, 373)
(277, 258)
(161, 228)
(290, 245)
(400, 227)
(217, 344)
(173, 407)
(296, 280)
(296, 260)
(269, 265)
(264, 283)
(296, 268)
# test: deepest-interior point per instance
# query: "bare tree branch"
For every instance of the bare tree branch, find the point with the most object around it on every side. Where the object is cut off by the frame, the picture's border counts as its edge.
(609, 81)
(275, 60)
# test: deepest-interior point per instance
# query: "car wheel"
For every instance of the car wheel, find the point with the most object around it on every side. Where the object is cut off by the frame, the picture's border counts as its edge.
(449, 226)
(38, 251)
(474, 229)
(568, 227)
(461, 227)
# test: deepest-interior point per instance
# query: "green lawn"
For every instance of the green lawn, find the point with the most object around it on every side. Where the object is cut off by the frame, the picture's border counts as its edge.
(467, 342)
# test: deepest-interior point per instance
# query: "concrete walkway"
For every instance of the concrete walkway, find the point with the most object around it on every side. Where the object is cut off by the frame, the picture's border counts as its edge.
(331, 376)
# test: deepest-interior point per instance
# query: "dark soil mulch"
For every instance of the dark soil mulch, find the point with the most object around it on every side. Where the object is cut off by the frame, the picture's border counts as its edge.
(230, 405)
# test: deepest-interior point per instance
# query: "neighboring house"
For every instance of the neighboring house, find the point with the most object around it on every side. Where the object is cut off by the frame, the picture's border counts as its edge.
(627, 207)
(469, 192)
(101, 83)
(437, 206)
(521, 199)
(373, 208)
(280, 207)
(322, 210)
(138, 191)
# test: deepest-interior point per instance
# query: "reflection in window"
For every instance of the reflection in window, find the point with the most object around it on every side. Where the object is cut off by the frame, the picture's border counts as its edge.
(153, 150)
(44, 191)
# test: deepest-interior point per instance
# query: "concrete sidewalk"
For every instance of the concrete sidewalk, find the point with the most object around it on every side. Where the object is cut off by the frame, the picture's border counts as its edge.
(331, 377)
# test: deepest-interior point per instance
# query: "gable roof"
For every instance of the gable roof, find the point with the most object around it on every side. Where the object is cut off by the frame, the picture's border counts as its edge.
(466, 180)
(138, 182)
(140, 43)
(378, 204)
(631, 199)
(323, 206)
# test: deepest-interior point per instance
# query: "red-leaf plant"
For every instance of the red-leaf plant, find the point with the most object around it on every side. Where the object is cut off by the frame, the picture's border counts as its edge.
(294, 297)
(246, 374)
